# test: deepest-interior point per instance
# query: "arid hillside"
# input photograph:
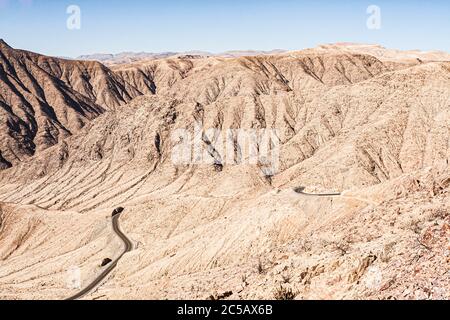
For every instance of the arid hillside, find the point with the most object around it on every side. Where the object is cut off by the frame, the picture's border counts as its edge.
(357, 206)
(45, 99)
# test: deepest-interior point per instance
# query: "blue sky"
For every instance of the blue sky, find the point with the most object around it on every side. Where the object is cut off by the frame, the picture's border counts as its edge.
(174, 25)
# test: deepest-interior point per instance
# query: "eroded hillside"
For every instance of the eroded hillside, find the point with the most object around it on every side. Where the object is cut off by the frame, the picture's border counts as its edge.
(375, 130)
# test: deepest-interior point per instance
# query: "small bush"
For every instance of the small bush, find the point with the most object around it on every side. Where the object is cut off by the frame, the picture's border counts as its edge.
(244, 280)
(260, 267)
(283, 293)
(342, 246)
(286, 278)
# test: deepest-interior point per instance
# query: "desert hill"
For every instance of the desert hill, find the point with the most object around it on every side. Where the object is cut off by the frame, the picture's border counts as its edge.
(373, 127)
(45, 99)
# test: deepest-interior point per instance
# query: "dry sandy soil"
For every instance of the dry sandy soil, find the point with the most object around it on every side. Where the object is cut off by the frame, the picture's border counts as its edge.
(78, 139)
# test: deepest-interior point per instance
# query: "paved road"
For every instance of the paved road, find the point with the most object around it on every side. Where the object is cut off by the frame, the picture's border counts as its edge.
(300, 190)
(112, 265)
(129, 246)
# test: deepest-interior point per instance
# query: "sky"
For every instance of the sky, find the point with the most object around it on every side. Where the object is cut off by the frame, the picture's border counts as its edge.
(115, 26)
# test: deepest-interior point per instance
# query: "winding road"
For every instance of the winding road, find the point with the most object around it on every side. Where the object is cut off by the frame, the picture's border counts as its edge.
(129, 246)
(300, 190)
(112, 265)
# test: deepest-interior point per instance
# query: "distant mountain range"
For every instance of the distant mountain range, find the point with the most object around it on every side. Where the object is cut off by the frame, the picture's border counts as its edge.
(129, 57)
(376, 50)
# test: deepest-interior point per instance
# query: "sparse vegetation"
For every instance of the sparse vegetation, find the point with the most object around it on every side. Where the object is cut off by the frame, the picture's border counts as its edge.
(415, 226)
(286, 277)
(440, 213)
(260, 267)
(343, 247)
(386, 253)
(284, 293)
(223, 296)
(244, 280)
(305, 245)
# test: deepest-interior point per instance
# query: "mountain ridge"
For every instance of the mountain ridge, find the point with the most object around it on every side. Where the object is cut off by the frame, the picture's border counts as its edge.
(129, 57)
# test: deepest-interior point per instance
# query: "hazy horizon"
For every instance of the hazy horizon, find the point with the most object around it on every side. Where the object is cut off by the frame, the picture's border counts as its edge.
(87, 54)
(174, 26)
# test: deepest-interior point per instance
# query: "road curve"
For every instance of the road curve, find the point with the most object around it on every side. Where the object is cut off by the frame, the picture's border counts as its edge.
(129, 246)
(300, 190)
(112, 265)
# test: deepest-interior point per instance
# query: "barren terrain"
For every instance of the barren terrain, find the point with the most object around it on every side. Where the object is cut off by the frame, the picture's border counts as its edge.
(79, 139)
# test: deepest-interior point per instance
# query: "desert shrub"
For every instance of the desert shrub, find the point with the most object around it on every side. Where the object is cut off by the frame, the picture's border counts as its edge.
(286, 278)
(342, 247)
(260, 267)
(284, 293)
